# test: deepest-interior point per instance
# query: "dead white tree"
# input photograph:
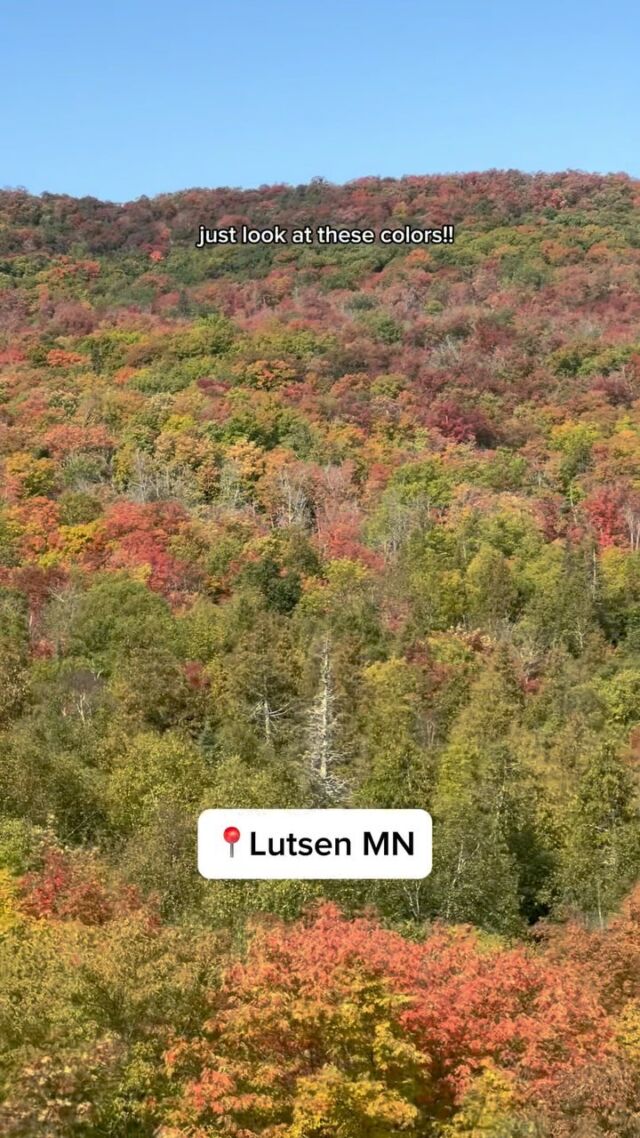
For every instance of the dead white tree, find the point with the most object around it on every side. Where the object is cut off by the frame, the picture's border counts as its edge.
(267, 716)
(294, 505)
(632, 518)
(322, 754)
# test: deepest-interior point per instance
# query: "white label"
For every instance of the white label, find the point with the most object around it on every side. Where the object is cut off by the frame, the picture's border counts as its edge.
(314, 844)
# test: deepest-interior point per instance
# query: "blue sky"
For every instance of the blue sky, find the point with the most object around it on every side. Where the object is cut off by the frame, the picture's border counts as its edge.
(118, 98)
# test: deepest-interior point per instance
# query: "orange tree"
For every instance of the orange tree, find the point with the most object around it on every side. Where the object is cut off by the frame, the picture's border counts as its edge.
(337, 1027)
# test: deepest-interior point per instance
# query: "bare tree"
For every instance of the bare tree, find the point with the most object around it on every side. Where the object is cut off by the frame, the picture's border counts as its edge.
(632, 518)
(267, 716)
(322, 755)
(294, 506)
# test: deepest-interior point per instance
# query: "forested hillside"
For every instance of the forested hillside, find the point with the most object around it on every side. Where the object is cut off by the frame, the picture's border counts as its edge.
(314, 526)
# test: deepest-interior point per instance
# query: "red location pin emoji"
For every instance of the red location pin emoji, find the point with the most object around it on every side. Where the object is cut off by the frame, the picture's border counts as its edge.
(231, 835)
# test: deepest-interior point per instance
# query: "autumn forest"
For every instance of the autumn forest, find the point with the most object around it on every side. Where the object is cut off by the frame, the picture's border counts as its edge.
(321, 526)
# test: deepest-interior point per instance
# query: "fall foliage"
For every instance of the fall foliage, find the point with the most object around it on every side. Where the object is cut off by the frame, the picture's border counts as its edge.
(294, 526)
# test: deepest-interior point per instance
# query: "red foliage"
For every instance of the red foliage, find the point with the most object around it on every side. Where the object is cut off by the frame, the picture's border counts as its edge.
(58, 357)
(73, 887)
(67, 438)
(465, 1005)
(605, 509)
(460, 424)
(196, 676)
(38, 585)
(609, 957)
(339, 536)
(131, 535)
(11, 356)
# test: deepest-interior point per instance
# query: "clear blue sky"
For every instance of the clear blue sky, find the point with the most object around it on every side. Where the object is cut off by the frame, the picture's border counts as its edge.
(118, 98)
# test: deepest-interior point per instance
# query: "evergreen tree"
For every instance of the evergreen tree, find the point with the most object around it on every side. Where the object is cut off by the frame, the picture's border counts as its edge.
(601, 852)
(482, 836)
(396, 764)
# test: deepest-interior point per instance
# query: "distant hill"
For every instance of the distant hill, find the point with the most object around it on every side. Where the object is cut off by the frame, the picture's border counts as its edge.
(349, 499)
(315, 526)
